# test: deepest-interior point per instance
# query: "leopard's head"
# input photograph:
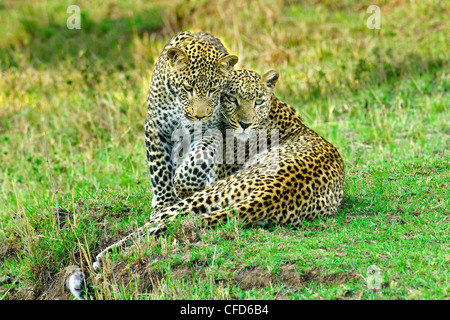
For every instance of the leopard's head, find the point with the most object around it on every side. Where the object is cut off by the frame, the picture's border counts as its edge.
(246, 100)
(198, 72)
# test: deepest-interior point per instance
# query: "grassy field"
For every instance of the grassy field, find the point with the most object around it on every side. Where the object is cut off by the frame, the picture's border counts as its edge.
(77, 99)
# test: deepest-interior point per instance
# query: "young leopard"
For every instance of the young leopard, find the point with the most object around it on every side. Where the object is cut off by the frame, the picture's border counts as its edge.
(300, 178)
(185, 87)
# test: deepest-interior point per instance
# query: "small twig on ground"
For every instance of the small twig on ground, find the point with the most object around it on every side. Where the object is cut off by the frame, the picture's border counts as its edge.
(214, 256)
(212, 265)
(53, 181)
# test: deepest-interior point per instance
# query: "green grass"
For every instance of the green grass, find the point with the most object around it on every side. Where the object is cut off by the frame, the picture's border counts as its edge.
(381, 96)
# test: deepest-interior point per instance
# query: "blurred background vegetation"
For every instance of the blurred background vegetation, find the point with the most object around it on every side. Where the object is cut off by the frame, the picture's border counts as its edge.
(377, 94)
(381, 96)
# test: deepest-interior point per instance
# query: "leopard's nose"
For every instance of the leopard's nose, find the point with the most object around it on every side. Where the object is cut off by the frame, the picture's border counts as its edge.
(202, 109)
(244, 125)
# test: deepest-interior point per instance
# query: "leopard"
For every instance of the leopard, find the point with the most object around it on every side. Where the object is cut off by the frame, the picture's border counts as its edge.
(185, 89)
(298, 178)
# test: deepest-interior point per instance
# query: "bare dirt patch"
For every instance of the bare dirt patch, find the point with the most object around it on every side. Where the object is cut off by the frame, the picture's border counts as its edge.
(254, 278)
(287, 275)
(9, 250)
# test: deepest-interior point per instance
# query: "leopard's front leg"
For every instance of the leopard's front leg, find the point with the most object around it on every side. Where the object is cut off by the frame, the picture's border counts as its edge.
(197, 171)
(159, 149)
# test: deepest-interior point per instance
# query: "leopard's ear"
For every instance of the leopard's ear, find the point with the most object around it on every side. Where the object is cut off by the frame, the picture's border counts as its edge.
(178, 59)
(270, 78)
(227, 63)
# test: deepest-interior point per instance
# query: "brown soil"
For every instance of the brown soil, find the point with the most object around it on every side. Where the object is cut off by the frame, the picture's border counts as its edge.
(288, 275)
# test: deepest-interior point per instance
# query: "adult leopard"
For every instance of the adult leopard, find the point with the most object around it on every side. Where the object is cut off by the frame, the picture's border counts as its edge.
(185, 88)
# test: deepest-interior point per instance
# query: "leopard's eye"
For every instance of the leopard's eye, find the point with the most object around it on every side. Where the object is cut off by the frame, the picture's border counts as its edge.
(232, 99)
(188, 88)
(259, 102)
